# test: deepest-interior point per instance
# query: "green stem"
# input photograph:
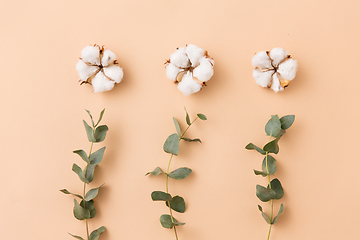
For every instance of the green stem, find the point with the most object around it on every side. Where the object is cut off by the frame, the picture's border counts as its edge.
(167, 191)
(167, 178)
(271, 201)
(84, 193)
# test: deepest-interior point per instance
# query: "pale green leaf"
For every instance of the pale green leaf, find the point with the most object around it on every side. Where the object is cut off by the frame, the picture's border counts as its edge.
(67, 192)
(92, 193)
(177, 126)
(202, 116)
(177, 203)
(155, 172)
(265, 194)
(80, 173)
(82, 154)
(160, 196)
(77, 237)
(180, 173)
(287, 121)
(100, 133)
(279, 213)
(80, 213)
(273, 126)
(89, 132)
(252, 146)
(271, 165)
(96, 157)
(171, 144)
(96, 233)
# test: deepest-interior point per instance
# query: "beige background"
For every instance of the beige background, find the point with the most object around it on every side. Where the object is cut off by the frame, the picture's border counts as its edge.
(42, 107)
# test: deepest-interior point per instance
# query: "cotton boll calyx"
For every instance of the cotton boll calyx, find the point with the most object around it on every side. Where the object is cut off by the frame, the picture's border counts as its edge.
(98, 66)
(190, 67)
(274, 69)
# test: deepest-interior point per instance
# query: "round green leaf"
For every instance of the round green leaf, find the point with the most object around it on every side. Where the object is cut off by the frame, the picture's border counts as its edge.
(177, 126)
(276, 186)
(272, 147)
(171, 144)
(271, 164)
(157, 171)
(77, 237)
(166, 222)
(180, 173)
(177, 203)
(92, 193)
(252, 146)
(279, 213)
(89, 132)
(100, 133)
(96, 233)
(89, 206)
(96, 157)
(287, 121)
(273, 126)
(80, 213)
(160, 196)
(202, 116)
(265, 194)
(82, 154)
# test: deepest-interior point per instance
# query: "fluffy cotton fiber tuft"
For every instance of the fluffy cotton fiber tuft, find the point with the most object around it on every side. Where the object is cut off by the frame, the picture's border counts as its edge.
(274, 69)
(98, 67)
(190, 67)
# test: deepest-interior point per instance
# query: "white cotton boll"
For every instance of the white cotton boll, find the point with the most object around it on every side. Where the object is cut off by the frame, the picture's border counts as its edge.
(194, 54)
(85, 71)
(108, 57)
(261, 60)
(205, 70)
(179, 58)
(188, 85)
(101, 83)
(276, 84)
(172, 71)
(262, 78)
(91, 54)
(114, 72)
(288, 69)
(277, 55)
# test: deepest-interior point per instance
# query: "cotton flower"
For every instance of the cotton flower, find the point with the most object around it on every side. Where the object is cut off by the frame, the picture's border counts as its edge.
(98, 66)
(190, 67)
(274, 69)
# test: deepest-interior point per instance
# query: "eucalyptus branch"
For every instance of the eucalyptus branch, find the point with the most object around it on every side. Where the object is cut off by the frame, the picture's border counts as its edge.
(275, 128)
(86, 210)
(175, 203)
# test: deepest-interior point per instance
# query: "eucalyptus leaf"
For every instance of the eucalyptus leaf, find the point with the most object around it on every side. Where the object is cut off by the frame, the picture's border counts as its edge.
(177, 203)
(89, 132)
(100, 133)
(82, 154)
(171, 144)
(80, 213)
(272, 147)
(67, 192)
(273, 126)
(90, 170)
(100, 117)
(267, 219)
(252, 146)
(180, 173)
(192, 140)
(91, 117)
(188, 122)
(264, 174)
(265, 194)
(160, 196)
(277, 188)
(287, 121)
(96, 157)
(80, 173)
(177, 126)
(271, 165)
(89, 206)
(279, 213)
(155, 172)
(77, 237)
(96, 233)
(166, 222)
(92, 193)
(202, 116)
